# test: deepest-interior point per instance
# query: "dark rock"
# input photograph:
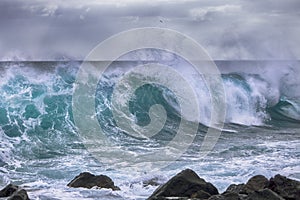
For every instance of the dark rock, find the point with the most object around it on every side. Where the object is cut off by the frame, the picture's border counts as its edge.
(88, 180)
(19, 195)
(201, 195)
(228, 196)
(14, 193)
(285, 187)
(184, 184)
(8, 190)
(265, 194)
(236, 188)
(255, 183)
(239, 189)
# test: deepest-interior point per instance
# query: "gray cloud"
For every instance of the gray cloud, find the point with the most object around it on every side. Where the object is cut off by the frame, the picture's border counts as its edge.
(234, 29)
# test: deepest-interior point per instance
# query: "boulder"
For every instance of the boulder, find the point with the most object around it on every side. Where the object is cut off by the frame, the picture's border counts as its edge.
(14, 193)
(8, 190)
(265, 194)
(185, 184)
(285, 187)
(238, 189)
(201, 195)
(88, 180)
(19, 195)
(255, 183)
(226, 196)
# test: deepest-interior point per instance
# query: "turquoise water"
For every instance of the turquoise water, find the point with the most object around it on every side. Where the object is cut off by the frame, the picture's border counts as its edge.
(42, 149)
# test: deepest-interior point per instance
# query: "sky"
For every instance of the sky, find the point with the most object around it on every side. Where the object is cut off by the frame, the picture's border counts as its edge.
(227, 29)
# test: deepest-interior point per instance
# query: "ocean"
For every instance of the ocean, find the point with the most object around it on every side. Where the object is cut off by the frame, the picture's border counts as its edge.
(43, 149)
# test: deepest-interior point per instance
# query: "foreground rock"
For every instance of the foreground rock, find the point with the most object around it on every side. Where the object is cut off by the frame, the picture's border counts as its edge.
(255, 183)
(88, 180)
(8, 190)
(285, 187)
(185, 184)
(19, 195)
(260, 188)
(228, 196)
(265, 194)
(14, 192)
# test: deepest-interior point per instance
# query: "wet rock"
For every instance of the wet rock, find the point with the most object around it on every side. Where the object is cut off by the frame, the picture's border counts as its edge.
(285, 187)
(88, 180)
(255, 183)
(185, 184)
(8, 190)
(19, 195)
(201, 195)
(265, 194)
(238, 189)
(228, 196)
(14, 193)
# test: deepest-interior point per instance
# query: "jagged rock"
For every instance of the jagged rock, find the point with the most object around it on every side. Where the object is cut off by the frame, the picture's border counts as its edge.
(8, 190)
(88, 180)
(184, 184)
(19, 195)
(255, 183)
(285, 187)
(265, 194)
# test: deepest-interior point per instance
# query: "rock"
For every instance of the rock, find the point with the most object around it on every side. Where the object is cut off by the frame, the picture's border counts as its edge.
(238, 189)
(184, 184)
(285, 187)
(265, 194)
(88, 180)
(228, 196)
(19, 195)
(14, 193)
(8, 190)
(255, 183)
(201, 195)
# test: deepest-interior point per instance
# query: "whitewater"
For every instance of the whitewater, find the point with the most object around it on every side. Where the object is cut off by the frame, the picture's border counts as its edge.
(41, 147)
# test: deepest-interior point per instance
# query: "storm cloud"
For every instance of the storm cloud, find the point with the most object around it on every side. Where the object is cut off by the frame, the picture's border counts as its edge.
(239, 30)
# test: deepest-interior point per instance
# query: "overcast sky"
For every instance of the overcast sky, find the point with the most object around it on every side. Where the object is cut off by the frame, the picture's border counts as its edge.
(228, 29)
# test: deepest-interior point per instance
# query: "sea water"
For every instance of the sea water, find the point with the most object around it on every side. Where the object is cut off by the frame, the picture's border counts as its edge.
(41, 147)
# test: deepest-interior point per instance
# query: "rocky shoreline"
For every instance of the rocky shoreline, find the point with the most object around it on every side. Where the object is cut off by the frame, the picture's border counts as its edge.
(187, 185)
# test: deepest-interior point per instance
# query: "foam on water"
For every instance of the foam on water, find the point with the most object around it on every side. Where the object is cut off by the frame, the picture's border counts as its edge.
(41, 149)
